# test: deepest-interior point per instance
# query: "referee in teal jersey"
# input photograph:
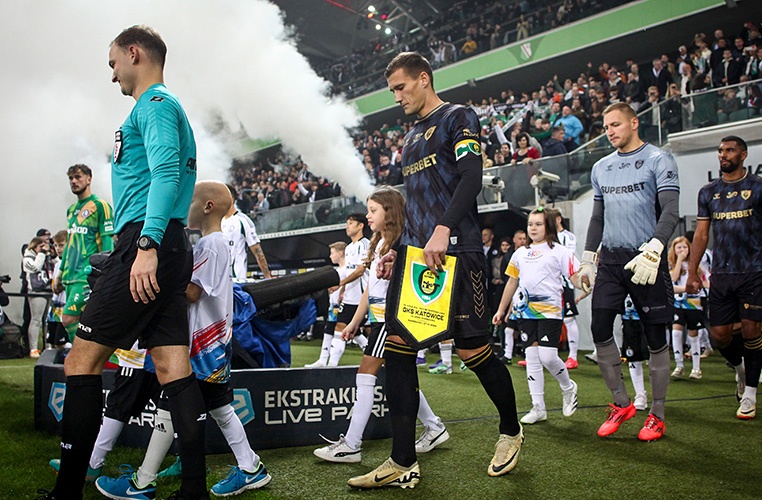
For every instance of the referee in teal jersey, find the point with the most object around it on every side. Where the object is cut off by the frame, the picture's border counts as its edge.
(141, 293)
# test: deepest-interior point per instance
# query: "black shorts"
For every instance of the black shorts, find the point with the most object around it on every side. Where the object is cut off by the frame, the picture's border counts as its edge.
(112, 318)
(346, 313)
(546, 332)
(692, 319)
(570, 305)
(512, 323)
(329, 327)
(56, 334)
(654, 303)
(215, 395)
(470, 314)
(634, 344)
(132, 390)
(376, 340)
(734, 297)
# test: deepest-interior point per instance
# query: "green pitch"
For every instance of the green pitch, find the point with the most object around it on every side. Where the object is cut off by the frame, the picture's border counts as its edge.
(706, 452)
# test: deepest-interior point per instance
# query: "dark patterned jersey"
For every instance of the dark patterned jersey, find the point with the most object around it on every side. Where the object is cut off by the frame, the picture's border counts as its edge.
(734, 210)
(429, 158)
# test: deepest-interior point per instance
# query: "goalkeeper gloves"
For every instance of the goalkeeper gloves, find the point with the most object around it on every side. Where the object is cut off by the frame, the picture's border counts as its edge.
(587, 269)
(645, 267)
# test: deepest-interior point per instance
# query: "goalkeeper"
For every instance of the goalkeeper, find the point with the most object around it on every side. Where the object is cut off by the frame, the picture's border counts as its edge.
(635, 210)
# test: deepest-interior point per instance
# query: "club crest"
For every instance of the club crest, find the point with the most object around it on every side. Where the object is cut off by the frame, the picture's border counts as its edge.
(427, 286)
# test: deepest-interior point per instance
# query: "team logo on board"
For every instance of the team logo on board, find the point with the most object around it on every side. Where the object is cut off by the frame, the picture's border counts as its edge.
(242, 405)
(56, 399)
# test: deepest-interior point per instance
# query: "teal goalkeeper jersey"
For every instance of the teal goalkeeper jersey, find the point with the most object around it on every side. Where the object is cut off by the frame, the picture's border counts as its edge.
(153, 168)
(90, 228)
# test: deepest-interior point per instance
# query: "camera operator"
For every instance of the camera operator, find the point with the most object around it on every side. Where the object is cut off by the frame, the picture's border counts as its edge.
(38, 270)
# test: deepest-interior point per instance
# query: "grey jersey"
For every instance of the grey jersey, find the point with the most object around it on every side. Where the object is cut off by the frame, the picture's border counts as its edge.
(628, 184)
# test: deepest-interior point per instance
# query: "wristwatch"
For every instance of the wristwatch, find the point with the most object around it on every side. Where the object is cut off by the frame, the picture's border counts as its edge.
(146, 243)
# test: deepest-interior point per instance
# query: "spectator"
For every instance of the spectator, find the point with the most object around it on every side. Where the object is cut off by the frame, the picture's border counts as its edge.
(572, 128)
(652, 121)
(524, 152)
(598, 104)
(659, 77)
(727, 71)
(684, 81)
(752, 68)
(522, 28)
(634, 91)
(469, 46)
(554, 145)
(728, 105)
(704, 103)
(673, 110)
(262, 204)
(614, 81)
(38, 270)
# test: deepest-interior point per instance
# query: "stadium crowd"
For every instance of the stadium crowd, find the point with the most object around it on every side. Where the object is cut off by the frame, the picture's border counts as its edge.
(463, 30)
(523, 124)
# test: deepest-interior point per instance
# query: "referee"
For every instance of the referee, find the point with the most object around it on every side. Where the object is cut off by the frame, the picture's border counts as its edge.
(141, 294)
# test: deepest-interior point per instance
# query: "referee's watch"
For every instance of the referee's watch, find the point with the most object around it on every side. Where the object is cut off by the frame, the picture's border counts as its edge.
(146, 243)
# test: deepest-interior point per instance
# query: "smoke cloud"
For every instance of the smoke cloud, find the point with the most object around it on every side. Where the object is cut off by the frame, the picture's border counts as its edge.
(232, 59)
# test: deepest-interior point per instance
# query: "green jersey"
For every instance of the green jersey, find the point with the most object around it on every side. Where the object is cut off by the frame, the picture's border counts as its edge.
(91, 227)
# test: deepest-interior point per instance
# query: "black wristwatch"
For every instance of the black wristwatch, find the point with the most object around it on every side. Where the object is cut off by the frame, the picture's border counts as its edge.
(146, 243)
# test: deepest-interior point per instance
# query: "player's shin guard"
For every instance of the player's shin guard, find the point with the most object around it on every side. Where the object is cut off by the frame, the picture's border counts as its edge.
(235, 436)
(658, 366)
(107, 436)
(361, 410)
(83, 405)
(337, 349)
(402, 379)
(496, 380)
(677, 346)
(733, 351)
(752, 357)
(189, 418)
(610, 365)
(508, 343)
(161, 440)
(572, 336)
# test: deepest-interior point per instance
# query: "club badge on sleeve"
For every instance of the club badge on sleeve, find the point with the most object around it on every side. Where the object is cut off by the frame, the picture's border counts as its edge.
(117, 146)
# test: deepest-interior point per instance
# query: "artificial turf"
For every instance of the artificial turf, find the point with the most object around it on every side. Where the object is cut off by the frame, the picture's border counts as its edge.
(706, 452)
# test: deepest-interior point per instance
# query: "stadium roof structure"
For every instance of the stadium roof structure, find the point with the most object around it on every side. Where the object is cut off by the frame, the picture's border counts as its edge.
(329, 29)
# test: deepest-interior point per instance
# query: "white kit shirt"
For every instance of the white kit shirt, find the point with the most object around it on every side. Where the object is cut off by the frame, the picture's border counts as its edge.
(354, 255)
(241, 234)
(541, 272)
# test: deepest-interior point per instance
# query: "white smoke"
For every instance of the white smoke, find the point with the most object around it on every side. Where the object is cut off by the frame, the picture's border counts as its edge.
(228, 58)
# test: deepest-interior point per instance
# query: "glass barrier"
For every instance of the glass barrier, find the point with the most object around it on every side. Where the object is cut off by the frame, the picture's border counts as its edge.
(307, 215)
(570, 172)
